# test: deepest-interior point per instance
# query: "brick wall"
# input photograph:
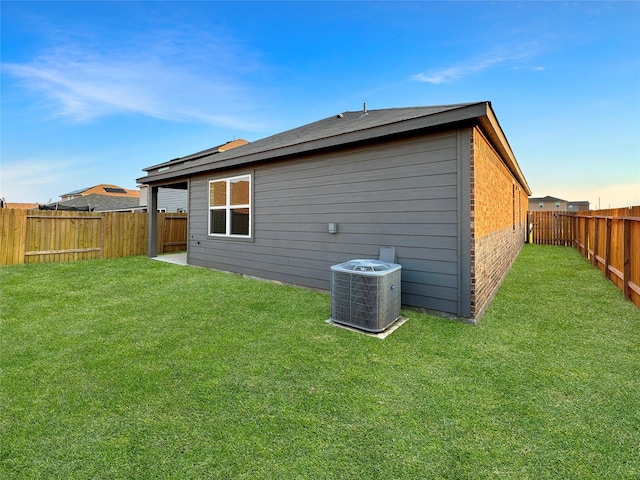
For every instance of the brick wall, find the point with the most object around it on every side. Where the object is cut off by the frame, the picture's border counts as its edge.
(498, 221)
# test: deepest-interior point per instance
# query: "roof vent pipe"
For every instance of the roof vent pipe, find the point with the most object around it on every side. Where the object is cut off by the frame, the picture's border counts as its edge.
(364, 110)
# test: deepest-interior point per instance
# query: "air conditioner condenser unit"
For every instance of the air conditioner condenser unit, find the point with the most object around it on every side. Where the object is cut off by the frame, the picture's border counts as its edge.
(365, 294)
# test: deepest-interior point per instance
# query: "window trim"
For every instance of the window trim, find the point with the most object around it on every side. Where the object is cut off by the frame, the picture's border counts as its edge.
(229, 207)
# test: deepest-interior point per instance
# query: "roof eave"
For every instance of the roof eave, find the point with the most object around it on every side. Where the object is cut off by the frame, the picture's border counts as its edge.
(491, 127)
(430, 121)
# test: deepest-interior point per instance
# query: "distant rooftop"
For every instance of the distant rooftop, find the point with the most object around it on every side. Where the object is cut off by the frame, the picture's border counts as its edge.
(98, 203)
(101, 189)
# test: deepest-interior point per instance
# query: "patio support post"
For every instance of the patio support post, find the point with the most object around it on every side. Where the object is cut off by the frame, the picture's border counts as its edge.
(152, 202)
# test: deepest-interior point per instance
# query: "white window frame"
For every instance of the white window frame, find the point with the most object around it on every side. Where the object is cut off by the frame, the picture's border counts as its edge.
(228, 207)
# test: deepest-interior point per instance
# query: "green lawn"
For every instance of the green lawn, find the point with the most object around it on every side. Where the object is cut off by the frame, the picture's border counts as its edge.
(136, 369)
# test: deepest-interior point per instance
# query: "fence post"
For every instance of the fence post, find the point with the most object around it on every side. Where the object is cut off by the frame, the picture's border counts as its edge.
(586, 237)
(607, 246)
(596, 231)
(626, 258)
(101, 246)
(162, 231)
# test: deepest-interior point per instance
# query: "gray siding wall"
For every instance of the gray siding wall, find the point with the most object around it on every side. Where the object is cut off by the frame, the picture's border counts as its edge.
(169, 199)
(172, 200)
(403, 194)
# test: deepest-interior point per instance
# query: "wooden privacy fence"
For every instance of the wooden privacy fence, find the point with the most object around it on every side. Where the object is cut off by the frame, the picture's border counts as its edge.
(172, 232)
(551, 228)
(31, 236)
(609, 239)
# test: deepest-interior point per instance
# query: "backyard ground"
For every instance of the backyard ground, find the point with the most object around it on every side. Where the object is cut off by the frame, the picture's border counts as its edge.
(135, 369)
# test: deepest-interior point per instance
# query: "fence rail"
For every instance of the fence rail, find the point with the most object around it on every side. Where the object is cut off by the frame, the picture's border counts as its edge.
(50, 236)
(609, 239)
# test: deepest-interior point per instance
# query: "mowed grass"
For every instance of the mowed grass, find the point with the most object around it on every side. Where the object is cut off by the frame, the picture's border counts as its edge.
(135, 369)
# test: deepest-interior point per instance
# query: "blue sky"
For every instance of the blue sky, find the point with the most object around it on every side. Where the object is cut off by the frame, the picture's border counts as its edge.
(93, 92)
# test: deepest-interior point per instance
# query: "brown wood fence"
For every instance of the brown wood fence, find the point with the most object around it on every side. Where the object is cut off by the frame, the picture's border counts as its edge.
(29, 236)
(609, 239)
(552, 228)
(172, 232)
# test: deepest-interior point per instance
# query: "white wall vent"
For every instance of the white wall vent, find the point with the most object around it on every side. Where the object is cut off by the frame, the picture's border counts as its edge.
(365, 294)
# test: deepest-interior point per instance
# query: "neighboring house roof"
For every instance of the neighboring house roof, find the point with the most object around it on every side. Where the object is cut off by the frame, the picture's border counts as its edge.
(341, 130)
(103, 189)
(76, 192)
(97, 203)
(209, 151)
(554, 199)
(232, 144)
(18, 206)
(546, 199)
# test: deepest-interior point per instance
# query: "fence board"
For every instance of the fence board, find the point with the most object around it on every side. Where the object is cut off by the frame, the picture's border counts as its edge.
(55, 237)
(617, 255)
(12, 233)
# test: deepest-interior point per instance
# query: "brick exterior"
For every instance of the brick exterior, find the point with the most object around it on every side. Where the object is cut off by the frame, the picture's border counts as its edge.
(498, 221)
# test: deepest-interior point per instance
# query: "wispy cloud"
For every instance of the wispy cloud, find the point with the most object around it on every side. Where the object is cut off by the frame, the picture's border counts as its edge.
(170, 83)
(489, 60)
(31, 180)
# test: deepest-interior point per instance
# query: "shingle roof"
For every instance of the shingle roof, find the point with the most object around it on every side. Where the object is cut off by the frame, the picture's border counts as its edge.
(103, 189)
(339, 124)
(341, 129)
(102, 203)
(546, 199)
(347, 122)
(77, 192)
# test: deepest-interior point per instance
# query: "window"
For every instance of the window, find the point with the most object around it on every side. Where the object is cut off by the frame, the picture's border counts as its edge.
(519, 208)
(541, 205)
(513, 206)
(557, 204)
(230, 207)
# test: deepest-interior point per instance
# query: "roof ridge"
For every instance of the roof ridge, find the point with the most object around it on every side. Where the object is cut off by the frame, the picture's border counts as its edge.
(418, 107)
